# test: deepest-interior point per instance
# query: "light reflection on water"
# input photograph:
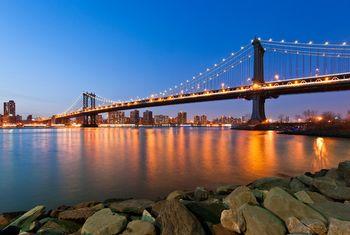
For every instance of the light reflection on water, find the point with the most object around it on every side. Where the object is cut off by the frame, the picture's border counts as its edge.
(57, 166)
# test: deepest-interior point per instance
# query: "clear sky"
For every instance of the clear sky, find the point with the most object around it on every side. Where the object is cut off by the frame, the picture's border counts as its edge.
(51, 51)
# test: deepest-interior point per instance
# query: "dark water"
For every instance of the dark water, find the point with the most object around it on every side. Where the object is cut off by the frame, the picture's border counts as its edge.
(65, 166)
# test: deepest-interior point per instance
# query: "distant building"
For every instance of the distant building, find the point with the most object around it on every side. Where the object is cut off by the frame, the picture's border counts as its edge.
(147, 118)
(203, 120)
(18, 118)
(99, 119)
(196, 120)
(117, 117)
(161, 119)
(181, 118)
(135, 117)
(30, 118)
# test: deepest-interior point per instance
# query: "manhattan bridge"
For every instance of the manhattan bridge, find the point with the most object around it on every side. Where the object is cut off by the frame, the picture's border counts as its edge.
(263, 69)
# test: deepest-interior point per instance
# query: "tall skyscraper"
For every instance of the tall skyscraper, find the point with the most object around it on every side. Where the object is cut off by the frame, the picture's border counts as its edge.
(182, 118)
(10, 111)
(135, 117)
(147, 118)
(10, 108)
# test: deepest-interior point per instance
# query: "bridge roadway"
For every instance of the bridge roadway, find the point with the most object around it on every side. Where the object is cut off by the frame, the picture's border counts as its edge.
(322, 83)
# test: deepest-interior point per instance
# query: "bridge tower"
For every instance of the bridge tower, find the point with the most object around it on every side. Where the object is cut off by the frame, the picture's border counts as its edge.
(89, 101)
(258, 112)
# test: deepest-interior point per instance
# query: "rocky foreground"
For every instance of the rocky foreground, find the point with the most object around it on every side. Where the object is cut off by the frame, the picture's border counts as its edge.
(316, 203)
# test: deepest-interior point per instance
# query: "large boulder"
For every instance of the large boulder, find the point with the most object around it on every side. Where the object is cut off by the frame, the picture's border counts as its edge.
(134, 206)
(307, 180)
(333, 209)
(259, 221)
(284, 206)
(76, 214)
(55, 226)
(344, 171)
(309, 197)
(338, 227)
(270, 182)
(175, 219)
(139, 227)
(104, 222)
(25, 221)
(209, 210)
(331, 189)
(240, 196)
(308, 226)
(231, 221)
(177, 194)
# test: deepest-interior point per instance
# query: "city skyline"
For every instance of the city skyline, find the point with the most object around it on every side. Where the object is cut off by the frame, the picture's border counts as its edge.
(113, 54)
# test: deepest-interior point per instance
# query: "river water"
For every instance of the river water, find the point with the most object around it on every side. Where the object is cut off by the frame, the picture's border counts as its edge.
(66, 166)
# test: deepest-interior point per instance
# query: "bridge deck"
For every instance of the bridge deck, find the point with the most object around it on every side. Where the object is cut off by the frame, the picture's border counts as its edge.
(334, 82)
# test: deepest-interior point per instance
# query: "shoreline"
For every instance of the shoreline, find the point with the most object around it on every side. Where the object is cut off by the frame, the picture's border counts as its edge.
(264, 206)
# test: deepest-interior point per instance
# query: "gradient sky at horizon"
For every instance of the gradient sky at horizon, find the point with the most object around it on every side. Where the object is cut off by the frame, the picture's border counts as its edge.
(51, 51)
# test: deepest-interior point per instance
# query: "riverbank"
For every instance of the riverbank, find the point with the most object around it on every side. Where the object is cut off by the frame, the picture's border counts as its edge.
(340, 130)
(312, 203)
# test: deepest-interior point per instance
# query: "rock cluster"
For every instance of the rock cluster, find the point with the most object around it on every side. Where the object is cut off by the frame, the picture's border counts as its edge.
(316, 203)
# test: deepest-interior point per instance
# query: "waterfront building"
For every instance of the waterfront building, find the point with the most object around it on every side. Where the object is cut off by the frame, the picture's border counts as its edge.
(181, 118)
(135, 117)
(161, 119)
(117, 117)
(30, 118)
(203, 120)
(147, 118)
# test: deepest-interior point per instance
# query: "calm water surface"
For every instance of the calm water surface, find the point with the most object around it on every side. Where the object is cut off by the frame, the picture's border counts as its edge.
(65, 166)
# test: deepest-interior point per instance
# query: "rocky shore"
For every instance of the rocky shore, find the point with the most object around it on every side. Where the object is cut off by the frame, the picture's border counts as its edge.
(312, 203)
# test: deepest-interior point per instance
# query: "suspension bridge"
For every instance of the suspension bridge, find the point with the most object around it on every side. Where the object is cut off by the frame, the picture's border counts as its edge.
(263, 69)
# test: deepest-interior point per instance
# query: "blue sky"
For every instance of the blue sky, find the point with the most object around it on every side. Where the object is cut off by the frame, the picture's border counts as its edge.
(51, 51)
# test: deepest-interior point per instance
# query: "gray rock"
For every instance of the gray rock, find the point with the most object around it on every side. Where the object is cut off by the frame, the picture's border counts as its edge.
(296, 185)
(146, 216)
(270, 182)
(344, 171)
(55, 226)
(139, 227)
(305, 179)
(135, 206)
(309, 197)
(330, 189)
(201, 194)
(338, 227)
(25, 221)
(284, 206)
(76, 214)
(175, 219)
(104, 222)
(85, 204)
(240, 196)
(229, 220)
(260, 221)
(226, 189)
(333, 209)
